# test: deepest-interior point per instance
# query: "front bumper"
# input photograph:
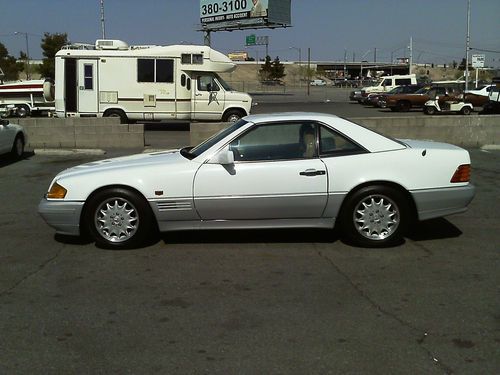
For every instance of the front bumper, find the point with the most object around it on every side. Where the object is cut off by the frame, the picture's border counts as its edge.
(432, 203)
(63, 216)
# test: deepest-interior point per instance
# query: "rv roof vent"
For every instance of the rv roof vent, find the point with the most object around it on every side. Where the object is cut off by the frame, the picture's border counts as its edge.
(110, 44)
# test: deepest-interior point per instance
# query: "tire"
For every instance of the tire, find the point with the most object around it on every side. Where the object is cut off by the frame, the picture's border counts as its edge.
(117, 113)
(18, 147)
(429, 110)
(108, 213)
(232, 115)
(403, 106)
(23, 111)
(394, 109)
(466, 111)
(375, 216)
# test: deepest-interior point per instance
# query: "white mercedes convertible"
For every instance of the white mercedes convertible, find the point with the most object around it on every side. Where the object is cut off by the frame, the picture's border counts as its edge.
(286, 170)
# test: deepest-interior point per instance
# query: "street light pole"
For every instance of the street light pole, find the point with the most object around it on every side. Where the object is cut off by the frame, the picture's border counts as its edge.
(28, 75)
(467, 42)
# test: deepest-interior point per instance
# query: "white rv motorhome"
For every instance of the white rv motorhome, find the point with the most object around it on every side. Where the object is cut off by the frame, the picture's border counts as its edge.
(179, 82)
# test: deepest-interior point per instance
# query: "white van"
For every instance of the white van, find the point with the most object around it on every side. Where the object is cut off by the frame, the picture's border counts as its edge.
(112, 79)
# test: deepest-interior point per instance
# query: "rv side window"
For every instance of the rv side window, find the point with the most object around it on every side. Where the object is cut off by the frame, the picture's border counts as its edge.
(88, 77)
(207, 83)
(198, 59)
(183, 80)
(403, 81)
(188, 84)
(145, 70)
(164, 70)
(186, 58)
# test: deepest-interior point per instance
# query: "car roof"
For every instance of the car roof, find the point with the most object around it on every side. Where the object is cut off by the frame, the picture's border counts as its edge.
(370, 139)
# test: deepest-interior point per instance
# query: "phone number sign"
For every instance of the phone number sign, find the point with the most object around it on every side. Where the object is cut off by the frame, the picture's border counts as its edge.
(229, 10)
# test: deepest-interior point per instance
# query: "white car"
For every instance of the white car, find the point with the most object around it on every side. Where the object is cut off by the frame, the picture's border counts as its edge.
(318, 82)
(13, 138)
(283, 170)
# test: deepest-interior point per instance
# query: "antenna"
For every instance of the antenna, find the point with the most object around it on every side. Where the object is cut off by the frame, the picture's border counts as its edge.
(103, 26)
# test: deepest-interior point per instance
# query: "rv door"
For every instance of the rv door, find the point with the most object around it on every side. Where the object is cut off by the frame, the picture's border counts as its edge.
(87, 86)
(209, 97)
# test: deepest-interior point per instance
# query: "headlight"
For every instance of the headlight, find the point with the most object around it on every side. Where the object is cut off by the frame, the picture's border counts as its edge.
(56, 191)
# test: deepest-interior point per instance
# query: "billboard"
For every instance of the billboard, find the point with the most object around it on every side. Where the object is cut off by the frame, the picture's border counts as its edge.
(240, 14)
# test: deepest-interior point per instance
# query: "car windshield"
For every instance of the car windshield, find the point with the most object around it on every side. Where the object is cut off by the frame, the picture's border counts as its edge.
(223, 83)
(205, 145)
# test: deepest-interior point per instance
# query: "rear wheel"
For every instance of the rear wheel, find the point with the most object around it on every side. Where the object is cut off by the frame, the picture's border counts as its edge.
(118, 218)
(466, 111)
(117, 113)
(23, 111)
(375, 216)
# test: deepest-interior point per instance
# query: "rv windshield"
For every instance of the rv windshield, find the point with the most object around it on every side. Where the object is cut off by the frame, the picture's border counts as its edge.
(223, 83)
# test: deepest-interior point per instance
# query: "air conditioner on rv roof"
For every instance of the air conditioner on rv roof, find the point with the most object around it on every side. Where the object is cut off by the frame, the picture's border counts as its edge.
(110, 44)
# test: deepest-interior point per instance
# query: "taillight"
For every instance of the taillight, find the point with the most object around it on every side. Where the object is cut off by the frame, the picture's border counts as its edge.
(462, 174)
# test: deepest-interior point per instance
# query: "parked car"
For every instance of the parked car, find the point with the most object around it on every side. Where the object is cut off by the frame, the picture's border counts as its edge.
(318, 82)
(373, 99)
(13, 138)
(493, 104)
(284, 170)
(383, 85)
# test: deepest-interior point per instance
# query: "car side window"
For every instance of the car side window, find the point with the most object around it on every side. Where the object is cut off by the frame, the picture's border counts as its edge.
(334, 144)
(207, 83)
(271, 142)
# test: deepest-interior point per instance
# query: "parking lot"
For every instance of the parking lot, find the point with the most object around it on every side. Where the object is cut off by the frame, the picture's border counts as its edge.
(247, 302)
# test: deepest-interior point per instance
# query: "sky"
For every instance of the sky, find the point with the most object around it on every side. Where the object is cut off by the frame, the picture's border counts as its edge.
(332, 29)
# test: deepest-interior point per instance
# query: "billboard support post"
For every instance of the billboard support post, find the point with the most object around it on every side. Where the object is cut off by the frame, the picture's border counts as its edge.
(207, 38)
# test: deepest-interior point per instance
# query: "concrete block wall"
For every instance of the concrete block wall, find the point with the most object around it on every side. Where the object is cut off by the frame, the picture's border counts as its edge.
(466, 131)
(81, 132)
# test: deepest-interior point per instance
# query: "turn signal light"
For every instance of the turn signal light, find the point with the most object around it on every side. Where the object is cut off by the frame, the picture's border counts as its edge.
(462, 174)
(56, 191)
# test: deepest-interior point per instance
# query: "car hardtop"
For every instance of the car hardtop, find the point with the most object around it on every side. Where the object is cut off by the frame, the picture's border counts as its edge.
(369, 139)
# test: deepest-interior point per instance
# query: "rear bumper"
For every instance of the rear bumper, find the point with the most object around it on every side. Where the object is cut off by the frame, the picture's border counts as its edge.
(64, 217)
(432, 203)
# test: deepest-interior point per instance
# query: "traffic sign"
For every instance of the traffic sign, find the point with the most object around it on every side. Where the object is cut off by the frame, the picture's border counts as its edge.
(478, 61)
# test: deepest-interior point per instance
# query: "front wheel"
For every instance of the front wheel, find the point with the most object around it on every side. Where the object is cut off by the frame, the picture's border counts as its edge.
(232, 115)
(18, 147)
(117, 113)
(375, 216)
(118, 218)
(429, 110)
(23, 111)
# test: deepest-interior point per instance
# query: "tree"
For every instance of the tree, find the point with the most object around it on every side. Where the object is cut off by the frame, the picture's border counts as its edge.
(265, 71)
(9, 65)
(272, 71)
(277, 69)
(51, 44)
(462, 64)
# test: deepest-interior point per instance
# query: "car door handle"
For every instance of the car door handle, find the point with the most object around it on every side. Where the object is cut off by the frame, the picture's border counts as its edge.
(312, 172)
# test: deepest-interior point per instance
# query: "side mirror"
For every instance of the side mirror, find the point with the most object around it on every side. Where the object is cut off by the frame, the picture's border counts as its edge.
(4, 122)
(223, 157)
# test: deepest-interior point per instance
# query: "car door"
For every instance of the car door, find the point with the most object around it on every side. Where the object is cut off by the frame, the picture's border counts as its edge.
(208, 99)
(276, 175)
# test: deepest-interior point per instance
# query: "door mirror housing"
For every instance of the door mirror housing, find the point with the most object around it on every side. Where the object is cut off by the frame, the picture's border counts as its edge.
(223, 157)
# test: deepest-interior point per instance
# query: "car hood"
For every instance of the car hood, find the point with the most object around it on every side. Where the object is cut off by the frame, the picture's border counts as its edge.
(124, 162)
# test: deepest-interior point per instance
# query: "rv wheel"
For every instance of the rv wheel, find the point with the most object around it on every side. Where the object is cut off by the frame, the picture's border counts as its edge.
(232, 115)
(23, 111)
(117, 113)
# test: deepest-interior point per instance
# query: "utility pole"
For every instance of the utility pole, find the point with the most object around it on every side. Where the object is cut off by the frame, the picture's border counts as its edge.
(467, 43)
(411, 54)
(375, 55)
(308, 71)
(103, 26)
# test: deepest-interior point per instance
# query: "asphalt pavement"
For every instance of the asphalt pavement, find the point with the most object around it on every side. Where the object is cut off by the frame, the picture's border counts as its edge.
(247, 302)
